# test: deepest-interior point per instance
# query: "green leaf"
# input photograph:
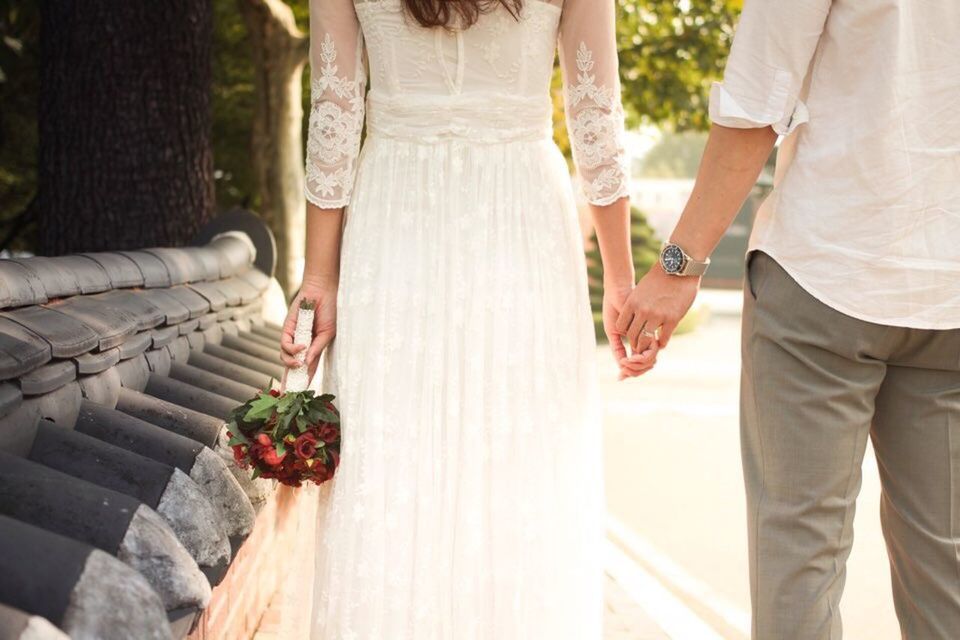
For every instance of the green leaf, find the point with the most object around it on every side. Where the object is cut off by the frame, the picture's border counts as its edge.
(236, 437)
(256, 472)
(261, 408)
(329, 416)
(285, 401)
(301, 423)
(281, 448)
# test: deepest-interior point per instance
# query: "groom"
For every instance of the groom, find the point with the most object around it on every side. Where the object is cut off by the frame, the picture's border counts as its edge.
(851, 325)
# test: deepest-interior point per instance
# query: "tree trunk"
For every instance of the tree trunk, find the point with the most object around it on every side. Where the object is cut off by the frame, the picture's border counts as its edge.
(280, 51)
(124, 120)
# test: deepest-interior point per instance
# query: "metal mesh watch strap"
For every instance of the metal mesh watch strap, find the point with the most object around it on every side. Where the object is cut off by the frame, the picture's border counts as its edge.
(694, 267)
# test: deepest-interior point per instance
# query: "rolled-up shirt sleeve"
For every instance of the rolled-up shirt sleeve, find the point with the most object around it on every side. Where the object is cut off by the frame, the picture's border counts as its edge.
(772, 49)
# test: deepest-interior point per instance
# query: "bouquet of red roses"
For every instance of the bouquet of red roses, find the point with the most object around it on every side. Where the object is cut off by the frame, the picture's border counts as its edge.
(293, 437)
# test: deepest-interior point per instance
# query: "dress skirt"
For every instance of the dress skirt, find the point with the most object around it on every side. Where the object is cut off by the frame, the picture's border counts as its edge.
(469, 503)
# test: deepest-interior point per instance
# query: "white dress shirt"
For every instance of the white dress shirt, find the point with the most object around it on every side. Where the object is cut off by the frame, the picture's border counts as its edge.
(865, 212)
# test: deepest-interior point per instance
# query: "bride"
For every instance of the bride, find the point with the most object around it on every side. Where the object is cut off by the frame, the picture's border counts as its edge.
(447, 258)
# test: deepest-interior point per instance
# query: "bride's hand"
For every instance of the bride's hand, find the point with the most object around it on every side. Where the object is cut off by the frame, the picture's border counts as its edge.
(324, 325)
(635, 364)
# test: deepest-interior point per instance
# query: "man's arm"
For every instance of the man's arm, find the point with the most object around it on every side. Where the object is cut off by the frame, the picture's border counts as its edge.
(731, 164)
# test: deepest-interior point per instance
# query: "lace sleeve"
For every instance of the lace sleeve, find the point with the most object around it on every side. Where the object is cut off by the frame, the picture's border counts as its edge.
(588, 58)
(337, 85)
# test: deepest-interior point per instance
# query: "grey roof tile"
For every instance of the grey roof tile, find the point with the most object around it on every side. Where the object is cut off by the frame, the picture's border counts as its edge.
(158, 360)
(172, 309)
(234, 255)
(211, 291)
(61, 405)
(111, 324)
(164, 336)
(89, 275)
(19, 286)
(20, 349)
(248, 292)
(120, 269)
(188, 326)
(195, 303)
(207, 320)
(183, 266)
(134, 372)
(48, 377)
(134, 303)
(154, 271)
(210, 259)
(135, 344)
(56, 280)
(10, 398)
(66, 335)
(257, 279)
(89, 363)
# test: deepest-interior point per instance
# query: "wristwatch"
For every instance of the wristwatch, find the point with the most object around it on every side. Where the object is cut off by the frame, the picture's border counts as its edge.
(675, 262)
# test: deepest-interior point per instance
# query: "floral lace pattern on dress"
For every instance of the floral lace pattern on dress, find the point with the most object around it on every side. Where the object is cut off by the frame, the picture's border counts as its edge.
(336, 123)
(596, 131)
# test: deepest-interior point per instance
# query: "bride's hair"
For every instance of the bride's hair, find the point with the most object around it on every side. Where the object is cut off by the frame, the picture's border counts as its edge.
(455, 13)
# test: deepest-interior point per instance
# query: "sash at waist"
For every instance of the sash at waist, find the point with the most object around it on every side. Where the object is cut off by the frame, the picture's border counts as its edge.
(478, 118)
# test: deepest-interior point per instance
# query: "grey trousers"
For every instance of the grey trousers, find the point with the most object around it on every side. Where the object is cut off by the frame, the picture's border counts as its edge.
(816, 384)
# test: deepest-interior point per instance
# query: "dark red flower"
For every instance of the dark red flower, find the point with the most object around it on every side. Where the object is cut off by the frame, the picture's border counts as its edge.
(275, 393)
(328, 433)
(306, 446)
(240, 455)
(320, 472)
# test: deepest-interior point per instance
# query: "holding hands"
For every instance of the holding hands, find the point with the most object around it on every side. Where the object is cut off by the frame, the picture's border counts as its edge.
(647, 315)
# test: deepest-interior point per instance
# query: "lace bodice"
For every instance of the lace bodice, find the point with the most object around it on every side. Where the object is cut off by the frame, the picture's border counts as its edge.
(488, 83)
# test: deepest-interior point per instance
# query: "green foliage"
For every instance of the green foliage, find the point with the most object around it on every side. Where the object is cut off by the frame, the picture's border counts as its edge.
(233, 104)
(19, 87)
(646, 250)
(670, 51)
(676, 155)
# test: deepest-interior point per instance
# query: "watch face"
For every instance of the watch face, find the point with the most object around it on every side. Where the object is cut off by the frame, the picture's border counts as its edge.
(672, 259)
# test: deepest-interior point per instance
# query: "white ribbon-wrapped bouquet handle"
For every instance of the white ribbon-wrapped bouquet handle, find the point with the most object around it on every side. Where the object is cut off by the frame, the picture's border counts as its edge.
(298, 378)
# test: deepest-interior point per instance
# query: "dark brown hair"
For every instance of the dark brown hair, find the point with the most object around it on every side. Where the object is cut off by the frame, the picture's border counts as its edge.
(452, 14)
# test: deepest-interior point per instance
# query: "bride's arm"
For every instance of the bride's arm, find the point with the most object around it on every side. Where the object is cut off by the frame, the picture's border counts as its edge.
(337, 85)
(588, 59)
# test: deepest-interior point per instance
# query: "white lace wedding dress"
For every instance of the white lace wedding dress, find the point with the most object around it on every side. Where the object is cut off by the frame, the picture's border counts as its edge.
(468, 504)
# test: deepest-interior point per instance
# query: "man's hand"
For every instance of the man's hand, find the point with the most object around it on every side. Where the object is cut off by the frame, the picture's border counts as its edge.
(659, 301)
(614, 300)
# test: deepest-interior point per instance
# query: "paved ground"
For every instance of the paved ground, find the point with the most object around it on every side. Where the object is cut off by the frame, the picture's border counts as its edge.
(674, 484)
(624, 619)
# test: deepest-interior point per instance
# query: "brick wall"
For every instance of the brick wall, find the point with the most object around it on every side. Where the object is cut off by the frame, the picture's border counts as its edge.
(239, 602)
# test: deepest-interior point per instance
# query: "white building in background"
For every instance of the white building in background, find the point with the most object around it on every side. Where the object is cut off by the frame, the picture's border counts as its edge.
(662, 200)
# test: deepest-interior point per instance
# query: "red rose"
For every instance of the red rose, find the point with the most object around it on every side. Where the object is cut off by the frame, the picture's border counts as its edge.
(275, 393)
(239, 455)
(271, 458)
(321, 473)
(328, 433)
(264, 439)
(306, 446)
(336, 459)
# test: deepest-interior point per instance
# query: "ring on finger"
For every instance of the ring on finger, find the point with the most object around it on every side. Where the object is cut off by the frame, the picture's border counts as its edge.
(649, 334)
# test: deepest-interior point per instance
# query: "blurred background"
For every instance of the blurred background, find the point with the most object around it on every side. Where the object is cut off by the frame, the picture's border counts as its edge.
(124, 125)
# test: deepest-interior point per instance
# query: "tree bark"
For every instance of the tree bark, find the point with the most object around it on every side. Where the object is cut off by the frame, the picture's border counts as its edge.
(280, 51)
(124, 121)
